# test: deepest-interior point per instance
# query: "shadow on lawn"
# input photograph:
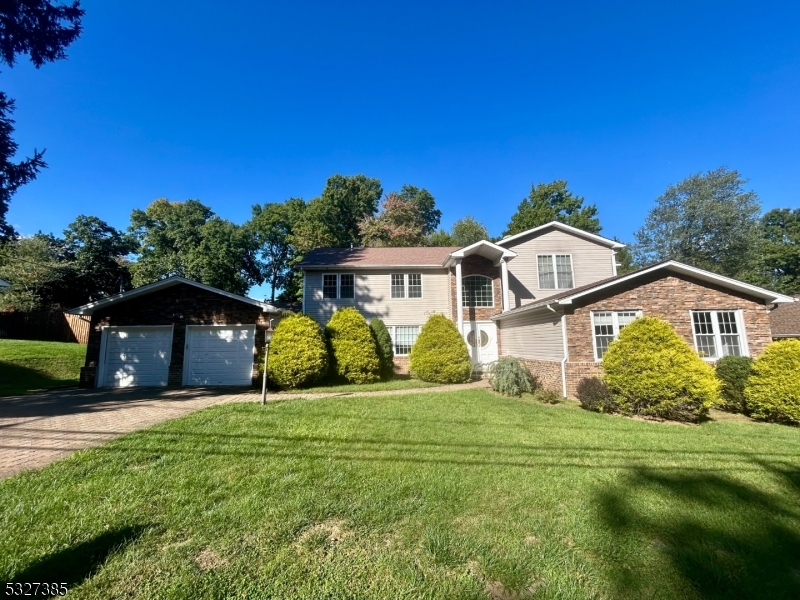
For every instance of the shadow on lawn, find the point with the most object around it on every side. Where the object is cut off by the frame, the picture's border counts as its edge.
(694, 523)
(16, 379)
(76, 564)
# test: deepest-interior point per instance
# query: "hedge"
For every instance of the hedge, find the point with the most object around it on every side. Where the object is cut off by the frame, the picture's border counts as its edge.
(354, 356)
(733, 372)
(440, 354)
(773, 389)
(384, 347)
(297, 354)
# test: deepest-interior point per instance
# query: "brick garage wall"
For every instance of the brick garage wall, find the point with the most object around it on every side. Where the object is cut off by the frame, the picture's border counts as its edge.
(670, 297)
(179, 306)
(401, 364)
(578, 371)
(477, 265)
(548, 372)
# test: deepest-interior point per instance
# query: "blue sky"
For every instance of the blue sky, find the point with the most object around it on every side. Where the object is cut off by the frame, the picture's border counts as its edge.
(239, 103)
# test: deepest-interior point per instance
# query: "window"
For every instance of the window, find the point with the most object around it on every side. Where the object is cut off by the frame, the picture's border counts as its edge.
(555, 272)
(338, 285)
(477, 291)
(717, 333)
(607, 325)
(406, 285)
(329, 286)
(403, 338)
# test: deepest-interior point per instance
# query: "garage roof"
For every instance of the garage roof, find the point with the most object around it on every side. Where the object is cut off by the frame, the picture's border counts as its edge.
(785, 320)
(88, 309)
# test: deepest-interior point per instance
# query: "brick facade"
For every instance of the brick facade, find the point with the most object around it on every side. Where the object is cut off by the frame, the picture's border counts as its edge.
(401, 365)
(477, 265)
(578, 371)
(179, 305)
(548, 373)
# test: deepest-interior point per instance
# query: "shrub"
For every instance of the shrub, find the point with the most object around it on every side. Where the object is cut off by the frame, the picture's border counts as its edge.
(353, 352)
(594, 394)
(732, 372)
(773, 390)
(440, 354)
(652, 371)
(511, 377)
(383, 345)
(297, 354)
(547, 396)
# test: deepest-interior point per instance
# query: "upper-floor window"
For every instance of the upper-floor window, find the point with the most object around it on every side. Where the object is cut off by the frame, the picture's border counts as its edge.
(477, 291)
(555, 271)
(338, 285)
(718, 333)
(406, 285)
(606, 326)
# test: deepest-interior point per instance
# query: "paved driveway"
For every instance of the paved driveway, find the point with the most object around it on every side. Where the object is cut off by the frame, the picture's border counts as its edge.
(37, 429)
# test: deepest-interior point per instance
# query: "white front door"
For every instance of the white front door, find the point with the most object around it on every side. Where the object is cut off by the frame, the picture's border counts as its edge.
(219, 355)
(135, 356)
(481, 340)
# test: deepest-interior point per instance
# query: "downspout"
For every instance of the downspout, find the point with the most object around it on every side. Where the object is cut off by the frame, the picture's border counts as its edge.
(563, 360)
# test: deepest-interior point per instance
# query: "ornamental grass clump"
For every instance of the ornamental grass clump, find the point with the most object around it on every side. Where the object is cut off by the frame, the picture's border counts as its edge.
(510, 377)
(297, 354)
(383, 345)
(353, 353)
(440, 354)
(733, 372)
(651, 371)
(773, 389)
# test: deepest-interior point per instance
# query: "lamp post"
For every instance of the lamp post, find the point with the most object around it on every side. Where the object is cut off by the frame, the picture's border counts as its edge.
(267, 339)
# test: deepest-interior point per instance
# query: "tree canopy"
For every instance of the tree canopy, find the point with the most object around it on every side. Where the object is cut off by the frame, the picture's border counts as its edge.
(400, 222)
(708, 220)
(431, 216)
(781, 230)
(553, 202)
(42, 30)
(272, 225)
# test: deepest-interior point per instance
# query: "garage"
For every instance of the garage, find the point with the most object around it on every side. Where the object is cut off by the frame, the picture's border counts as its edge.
(219, 355)
(135, 356)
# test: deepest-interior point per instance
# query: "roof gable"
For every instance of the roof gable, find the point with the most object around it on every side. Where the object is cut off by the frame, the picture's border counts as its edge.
(88, 309)
(418, 256)
(566, 229)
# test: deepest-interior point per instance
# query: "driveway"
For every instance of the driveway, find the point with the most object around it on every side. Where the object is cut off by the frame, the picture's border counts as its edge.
(39, 428)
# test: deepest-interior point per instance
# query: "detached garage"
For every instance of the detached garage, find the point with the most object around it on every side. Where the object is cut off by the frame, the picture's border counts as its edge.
(174, 332)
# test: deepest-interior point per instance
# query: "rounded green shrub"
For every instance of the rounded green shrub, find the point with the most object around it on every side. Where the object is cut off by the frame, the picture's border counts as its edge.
(297, 354)
(733, 372)
(511, 377)
(773, 389)
(440, 353)
(383, 345)
(354, 357)
(652, 371)
(594, 394)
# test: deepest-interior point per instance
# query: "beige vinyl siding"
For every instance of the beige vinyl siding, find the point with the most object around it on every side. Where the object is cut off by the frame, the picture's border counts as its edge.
(373, 296)
(590, 262)
(536, 334)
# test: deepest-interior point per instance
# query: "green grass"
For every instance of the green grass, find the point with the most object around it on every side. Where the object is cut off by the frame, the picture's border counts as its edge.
(399, 382)
(27, 365)
(451, 495)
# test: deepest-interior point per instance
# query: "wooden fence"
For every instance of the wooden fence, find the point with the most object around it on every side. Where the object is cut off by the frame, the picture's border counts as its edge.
(50, 326)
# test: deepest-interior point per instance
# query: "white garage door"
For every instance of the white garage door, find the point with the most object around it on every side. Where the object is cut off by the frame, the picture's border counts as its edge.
(219, 355)
(136, 356)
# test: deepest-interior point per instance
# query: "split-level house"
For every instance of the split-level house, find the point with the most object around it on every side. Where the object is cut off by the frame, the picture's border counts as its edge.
(550, 295)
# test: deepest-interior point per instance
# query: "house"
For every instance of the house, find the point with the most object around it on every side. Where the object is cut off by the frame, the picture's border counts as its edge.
(174, 331)
(785, 320)
(550, 296)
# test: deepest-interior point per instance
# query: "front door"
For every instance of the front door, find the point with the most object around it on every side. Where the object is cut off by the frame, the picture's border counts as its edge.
(481, 340)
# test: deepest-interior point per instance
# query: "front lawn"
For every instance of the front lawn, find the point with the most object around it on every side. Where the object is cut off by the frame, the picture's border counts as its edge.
(28, 365)
(399, 382)
(449, 495)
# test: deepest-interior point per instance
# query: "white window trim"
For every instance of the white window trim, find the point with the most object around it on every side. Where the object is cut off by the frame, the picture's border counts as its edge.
(393, 331)
(464, 296)
(614, 324)
(406, 286)
(555, 270)
(338, 286)
(738, 314)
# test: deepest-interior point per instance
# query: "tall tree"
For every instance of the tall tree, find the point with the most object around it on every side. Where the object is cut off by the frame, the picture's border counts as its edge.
(272, 225)
(431, 216)
(708, 220)
(225, 257)
(35, 268)
(553, 202)
(98, 255)
(464, 232)
(344, 203)
(42, 30)
(400, 222)
(781, 230)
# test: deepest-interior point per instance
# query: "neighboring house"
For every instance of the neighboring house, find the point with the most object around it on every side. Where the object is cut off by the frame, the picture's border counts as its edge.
(174, 331)
(785, 320)
(549, 295)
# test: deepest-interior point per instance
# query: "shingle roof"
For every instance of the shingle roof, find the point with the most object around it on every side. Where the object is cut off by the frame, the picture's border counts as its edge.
(377, 257)
(785, 320)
